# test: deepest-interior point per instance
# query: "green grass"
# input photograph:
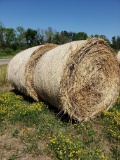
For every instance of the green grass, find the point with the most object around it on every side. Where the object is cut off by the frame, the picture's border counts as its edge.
(6, 56)
(3, 75)
(34, 130)
(8, 53)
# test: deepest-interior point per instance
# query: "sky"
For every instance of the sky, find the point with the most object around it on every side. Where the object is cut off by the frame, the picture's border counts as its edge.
(100, 17)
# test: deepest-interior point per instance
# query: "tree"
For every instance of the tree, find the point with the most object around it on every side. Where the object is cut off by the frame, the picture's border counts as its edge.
(41, 36)
(81, 36)
(56, 38)
(10, 36)
(21, 37)
(96, 35)
(50, 33)
(1, 35)
(105, 38)
(31, 37)
(72, 36)
(64, 37)
(20, 31)
(116, 43)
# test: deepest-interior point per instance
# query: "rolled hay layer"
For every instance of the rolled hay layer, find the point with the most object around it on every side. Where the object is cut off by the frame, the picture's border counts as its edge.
(21, 67)
(81, 78)
(16, 69)
(30, 67)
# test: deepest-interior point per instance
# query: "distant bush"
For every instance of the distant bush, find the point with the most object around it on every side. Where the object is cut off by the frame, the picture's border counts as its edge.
(8, 52)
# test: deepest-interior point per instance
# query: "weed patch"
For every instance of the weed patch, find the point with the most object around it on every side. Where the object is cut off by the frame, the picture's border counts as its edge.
(111, 122)
(3, 75)
(42, 134)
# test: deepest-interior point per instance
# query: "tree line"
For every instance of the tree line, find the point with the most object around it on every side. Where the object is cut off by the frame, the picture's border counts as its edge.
(12, 40)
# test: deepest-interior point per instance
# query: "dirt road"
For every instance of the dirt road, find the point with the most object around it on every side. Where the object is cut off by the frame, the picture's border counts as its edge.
(4, 61)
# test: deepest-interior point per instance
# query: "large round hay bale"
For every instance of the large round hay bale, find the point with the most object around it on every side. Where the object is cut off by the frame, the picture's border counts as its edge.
(81, 77)
(118, 57)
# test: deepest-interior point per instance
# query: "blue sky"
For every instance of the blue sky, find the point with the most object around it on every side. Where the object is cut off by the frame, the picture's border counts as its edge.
(90, 16)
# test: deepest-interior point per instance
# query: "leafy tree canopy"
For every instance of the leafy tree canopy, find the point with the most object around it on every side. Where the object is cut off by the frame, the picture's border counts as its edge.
(19, 38)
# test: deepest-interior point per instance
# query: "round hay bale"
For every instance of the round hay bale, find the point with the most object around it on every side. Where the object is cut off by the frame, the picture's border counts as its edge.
(81, 78)
(118, 56)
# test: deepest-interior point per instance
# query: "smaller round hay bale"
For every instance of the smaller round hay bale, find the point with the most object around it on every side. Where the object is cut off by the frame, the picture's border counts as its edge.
(16, 69)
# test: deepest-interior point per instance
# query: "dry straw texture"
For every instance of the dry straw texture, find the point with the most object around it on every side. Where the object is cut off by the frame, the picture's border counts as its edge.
(30, 67)
(16, 69)
(81, 78)
(21, 67)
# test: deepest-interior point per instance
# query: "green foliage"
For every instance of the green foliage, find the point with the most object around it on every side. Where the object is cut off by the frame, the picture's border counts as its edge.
(31, 37)
(17, 110)
(14, 40)
(116, 153)
(1, 33)
(8, 51)
(40, 36)
(27, 114)
(116, 43)
(81, 36)
(86, 131)
(3, 75)
(10, 36)
(20, 31)
(66, 147)
(14, 157)
(65, 140)
(65, 37)
(15, 133)
(49, 35)
(112, 123)
(42, 132)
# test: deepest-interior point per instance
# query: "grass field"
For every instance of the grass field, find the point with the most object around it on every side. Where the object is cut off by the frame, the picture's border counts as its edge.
(35, 131)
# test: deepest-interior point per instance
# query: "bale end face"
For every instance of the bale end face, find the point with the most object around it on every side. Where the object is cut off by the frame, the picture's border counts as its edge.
(91, 80)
